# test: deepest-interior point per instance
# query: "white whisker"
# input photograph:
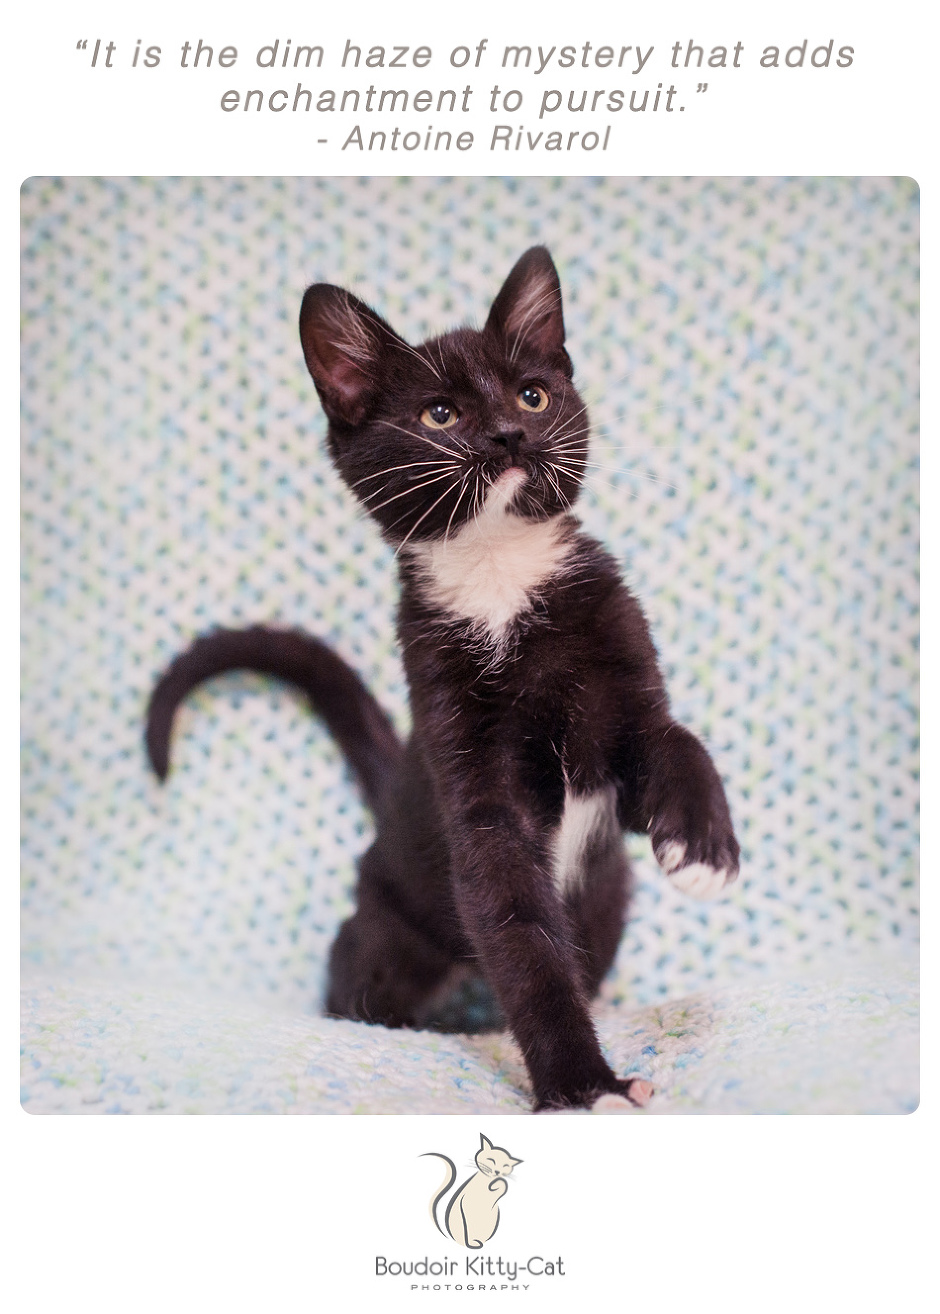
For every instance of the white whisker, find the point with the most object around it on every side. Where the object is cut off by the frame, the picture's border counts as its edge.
(630, 470)
(423, 438)
(405, 346)
(545, 468)
(620, 469)
(463, 489)
(414, 489)
(559, 428)
(479, 492)
(572, 442)
(410, 465)
(423, 518)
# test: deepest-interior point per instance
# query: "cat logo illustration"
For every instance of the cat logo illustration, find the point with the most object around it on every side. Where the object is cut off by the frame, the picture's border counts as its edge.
(472, 1214)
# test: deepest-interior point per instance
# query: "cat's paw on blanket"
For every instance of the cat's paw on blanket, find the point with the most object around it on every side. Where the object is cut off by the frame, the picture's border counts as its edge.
(636, 1095)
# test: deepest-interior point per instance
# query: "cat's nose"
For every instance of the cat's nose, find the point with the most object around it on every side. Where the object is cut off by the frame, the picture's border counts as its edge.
(510, 441)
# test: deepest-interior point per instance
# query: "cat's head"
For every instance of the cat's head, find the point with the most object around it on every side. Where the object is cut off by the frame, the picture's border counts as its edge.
(492, 1160)
(428, 436)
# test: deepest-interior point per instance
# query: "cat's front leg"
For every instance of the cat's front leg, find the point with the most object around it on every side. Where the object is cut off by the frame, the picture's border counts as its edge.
(524, 947)
(687, 814)
(523, 937)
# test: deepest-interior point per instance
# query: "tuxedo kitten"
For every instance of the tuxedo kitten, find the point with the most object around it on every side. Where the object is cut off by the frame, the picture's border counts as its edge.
(541, 727)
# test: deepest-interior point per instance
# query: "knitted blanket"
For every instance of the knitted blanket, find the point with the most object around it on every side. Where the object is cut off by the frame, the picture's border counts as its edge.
(842, 1043)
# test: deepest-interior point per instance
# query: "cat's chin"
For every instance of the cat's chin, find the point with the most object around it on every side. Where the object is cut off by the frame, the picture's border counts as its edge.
(500, 497)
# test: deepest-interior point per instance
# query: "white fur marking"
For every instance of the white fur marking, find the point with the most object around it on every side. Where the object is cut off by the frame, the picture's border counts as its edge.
(700, 880)
(584, 817)
(670, 856)
(641, 1092)
(487, 572)
(612, 1103)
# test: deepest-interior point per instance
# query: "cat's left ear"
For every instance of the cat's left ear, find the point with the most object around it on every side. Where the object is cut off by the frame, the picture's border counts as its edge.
(527, 312)
(345, 346)
(484, 1143)
(514, 1162)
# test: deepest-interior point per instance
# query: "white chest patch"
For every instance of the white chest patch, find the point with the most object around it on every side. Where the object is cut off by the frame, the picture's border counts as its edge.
(585, 818)
(488, 572)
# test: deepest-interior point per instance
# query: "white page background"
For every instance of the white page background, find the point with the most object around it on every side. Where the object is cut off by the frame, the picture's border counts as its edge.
(266, 1213)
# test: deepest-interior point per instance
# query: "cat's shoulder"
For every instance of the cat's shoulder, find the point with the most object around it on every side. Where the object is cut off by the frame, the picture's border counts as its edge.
(596, 568)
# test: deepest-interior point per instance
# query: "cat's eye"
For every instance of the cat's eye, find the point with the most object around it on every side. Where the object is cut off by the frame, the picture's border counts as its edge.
(532, 398)
(440, 416)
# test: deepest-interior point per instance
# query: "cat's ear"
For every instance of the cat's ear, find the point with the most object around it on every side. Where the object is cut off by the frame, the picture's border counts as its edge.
(484, 1143)
(514, 1162)
(344, 344)
(527, 311)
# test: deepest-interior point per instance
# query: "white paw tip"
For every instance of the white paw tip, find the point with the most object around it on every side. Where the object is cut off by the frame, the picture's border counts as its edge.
(670, 856)
(640, 1095)
(611, 1103)
(641, 1092)
(700, 880)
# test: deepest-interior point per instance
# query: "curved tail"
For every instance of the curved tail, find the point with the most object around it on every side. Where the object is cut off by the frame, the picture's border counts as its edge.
(355, 719)
(448, 1183)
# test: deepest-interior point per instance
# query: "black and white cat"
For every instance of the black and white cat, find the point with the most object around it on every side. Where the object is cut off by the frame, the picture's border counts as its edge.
(541, 726)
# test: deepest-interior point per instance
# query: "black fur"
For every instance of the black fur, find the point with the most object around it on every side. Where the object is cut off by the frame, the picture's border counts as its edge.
(573, 699)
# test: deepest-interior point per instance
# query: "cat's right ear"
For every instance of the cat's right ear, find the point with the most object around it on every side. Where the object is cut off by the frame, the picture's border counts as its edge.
(344, 344)
(527, 312)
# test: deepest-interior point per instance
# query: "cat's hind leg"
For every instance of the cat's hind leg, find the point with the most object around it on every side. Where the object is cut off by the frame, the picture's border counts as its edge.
(387, 962)
(382, 970)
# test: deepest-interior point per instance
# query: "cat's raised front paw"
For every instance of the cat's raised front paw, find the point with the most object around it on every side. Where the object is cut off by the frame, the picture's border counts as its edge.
(699, 879)
(689, 822)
